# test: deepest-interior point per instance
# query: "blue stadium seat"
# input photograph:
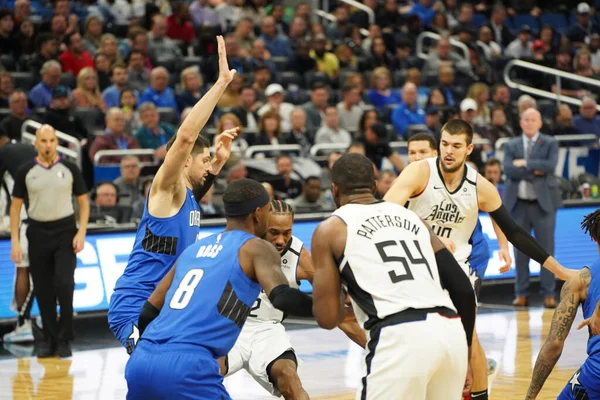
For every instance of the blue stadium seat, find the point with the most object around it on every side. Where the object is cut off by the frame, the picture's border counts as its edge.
(556, 20)
(479, 20)
(106, 173)
(168, 115)
(525, 19)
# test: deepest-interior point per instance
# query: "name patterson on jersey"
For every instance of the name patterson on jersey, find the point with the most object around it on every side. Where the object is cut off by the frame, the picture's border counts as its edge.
(373, 224)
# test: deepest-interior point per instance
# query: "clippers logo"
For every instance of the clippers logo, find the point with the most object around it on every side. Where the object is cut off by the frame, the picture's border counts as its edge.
(444, 213)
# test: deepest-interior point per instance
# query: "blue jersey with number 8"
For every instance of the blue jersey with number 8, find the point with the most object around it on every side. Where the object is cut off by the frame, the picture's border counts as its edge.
(210, 297)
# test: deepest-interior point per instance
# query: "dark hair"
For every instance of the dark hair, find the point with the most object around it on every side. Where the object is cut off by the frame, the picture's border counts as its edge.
(436, 89)
(459, 127)
(353, 173)
(282, 155)
(247, 87)
(125, 90)
(348, 87)
(356, 143)
(117, 65)
(319, 85)
(241, 191)
(591, 225)
(493, 161)
(312, 178)
(199, 146)
(363, 119)
(42, 39)
(67, 39)
(132, 52)
(424, 137)
(281, 207)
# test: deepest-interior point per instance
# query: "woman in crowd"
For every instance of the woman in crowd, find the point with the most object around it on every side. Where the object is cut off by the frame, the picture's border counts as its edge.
(191, 83)
(87, 93)
(381, 94)
(128, 104)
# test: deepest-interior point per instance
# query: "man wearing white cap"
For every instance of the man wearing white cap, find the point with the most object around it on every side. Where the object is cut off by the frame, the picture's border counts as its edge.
(579, 33)
(274, 94)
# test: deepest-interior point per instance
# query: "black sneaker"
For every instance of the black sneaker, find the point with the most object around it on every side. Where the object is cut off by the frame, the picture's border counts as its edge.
(46, 350)
(64, 350)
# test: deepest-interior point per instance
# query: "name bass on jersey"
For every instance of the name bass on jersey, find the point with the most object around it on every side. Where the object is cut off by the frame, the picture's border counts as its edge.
(373, 224)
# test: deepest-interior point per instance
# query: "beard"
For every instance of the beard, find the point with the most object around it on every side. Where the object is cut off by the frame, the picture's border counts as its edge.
(456, 167)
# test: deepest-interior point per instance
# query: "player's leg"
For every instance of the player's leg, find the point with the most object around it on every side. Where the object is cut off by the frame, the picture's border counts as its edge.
(64, 283)
(448, 381)
(479, 367)
(282, 373)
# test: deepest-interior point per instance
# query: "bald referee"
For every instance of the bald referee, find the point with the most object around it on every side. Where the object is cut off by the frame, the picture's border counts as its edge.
(47, 185)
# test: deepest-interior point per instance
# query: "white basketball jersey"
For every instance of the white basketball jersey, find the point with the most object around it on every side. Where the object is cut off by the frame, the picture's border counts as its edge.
(263, 311)
(451, 215)
(388, 263)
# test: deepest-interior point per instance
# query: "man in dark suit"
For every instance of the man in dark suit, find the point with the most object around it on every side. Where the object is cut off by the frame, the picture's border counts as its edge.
(501, 34)
(246, 111)
(532, 195)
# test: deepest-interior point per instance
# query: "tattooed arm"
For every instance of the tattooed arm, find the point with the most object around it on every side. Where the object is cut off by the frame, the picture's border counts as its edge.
(574, 291)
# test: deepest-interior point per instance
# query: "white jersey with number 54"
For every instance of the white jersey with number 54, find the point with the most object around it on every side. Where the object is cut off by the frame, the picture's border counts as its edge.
(263, 311)
(388, 263)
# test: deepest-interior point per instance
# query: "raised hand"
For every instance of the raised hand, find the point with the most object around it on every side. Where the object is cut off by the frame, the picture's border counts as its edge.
(225, 74)
(223, 143)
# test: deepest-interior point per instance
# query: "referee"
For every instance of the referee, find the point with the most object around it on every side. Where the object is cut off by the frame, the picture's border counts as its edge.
(47, 185)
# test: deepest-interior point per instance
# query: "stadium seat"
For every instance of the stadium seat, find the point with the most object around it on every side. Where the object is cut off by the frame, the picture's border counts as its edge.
(525, 19)
(288, 78)
(398, 78)
(4, 112)
(68, 80)
(118, 29)
(8, 62)
(106, 173)
(297, 97)
(414, 129)
(313, 77)
(547, 108)
(193, 61)
(431, 80)
(281, 63)
(387, 112)
(344, 74)
(556, 20)
(23, 80)
(168, 115)
(479, 20)
(415, 62)
(91, 117)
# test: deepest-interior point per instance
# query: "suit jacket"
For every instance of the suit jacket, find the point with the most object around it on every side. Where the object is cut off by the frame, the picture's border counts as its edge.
(243, 115)
(543, 157)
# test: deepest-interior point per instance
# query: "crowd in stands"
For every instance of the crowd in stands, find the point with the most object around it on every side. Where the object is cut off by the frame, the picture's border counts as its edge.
(123, 74)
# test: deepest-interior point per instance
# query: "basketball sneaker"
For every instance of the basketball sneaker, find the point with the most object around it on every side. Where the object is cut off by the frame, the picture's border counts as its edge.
(21, 334)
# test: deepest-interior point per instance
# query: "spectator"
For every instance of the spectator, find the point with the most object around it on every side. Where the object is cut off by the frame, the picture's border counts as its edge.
(414, 75)
(269, 190)
(58, 27)
(380, 95)
(568, 87)
(102, 70)
(207, 205)
(153, 134)
(298, 133)
(108, 46)
(465, 14)
(262, 77)
(119, 79)
(330, 131)
(274, 95)
(357, 147)
(302, 62)
(480, 92)
(160, 44)
(489, 48)
(588, 121)
(114, 138)
(191, 83)
(105, 209)
(376, 146)
(582, 64)
(138, 75)
(202, 14)
(244, 36)
(443, 56)
(579, 32)
(8, 45)
(22, 11)
(501, 96)
(229, 121)
(421, 146)
(93, 33)
(326, 62)
(277, 44)
(529, 164)
(521, 47)
(425, 10)
(563, 121)
(384, 183)
(259, 57)
(595, 50)
(237, 172)
(310, 200)
(128, 105)
(346, 57)
(159, 91)
(337, 30)
(315, 108)
(232, 95)
(380, 57)
(548, 36)
(75, 58)
(436, 98)
(25, 38)
(501, 32)
(11, 125)
(493, 173)
(432, 121)
(137, 40)
(41, 94)
(179, 26)
(446, 78)
(7, 86)
(349, 109)
(87, 93)
(119, 10)
(499, 127)
(408, 112)
(326, 172)
(246, 111)
(234, 60)
(298, 31)
(128, 184)
(468, 110)
(269, 129)
(289, 187)
(60, 116)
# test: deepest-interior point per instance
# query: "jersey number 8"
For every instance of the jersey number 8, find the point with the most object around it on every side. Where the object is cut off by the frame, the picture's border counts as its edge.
(185, 290)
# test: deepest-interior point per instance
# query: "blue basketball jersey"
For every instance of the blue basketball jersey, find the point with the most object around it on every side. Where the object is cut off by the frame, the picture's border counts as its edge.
(209, 299)
(158, 243)
(592, 364)
(480, 251)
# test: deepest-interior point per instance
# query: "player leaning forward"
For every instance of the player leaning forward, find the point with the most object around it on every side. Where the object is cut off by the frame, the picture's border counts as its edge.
(395, 272)
(448, 195)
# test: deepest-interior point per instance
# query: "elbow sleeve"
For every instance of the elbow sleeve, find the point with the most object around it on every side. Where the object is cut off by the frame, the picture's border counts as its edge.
(459, 287)
(147, 315)
(291, 301)
(521, 239)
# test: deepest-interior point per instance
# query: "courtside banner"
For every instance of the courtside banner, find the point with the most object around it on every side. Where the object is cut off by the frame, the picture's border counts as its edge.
(105, 255)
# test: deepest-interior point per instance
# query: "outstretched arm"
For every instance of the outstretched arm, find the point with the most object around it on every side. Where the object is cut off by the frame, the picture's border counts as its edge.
(573, 292)
(412, 181)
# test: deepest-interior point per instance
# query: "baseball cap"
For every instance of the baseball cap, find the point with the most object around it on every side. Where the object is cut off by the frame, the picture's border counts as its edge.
(273, 88)
(468, 104)
(583, 8)
(525, 28)
(60, 92)
(431, 110)
(537, 45)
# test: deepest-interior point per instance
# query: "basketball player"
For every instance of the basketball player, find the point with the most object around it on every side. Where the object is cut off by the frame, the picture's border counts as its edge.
(171, 218)
(448, 195)
(211, 289)
(584, 289)
(263, 348)
(395, 270)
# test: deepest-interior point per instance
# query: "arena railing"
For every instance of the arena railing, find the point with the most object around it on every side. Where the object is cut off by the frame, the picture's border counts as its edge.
(550, 71)
(435, 37)
(73, 153)
(272, 148)
(122, 153)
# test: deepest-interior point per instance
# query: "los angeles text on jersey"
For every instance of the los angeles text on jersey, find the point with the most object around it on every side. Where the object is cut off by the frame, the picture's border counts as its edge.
(195, 218)
(373, 224)
(445, 212)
